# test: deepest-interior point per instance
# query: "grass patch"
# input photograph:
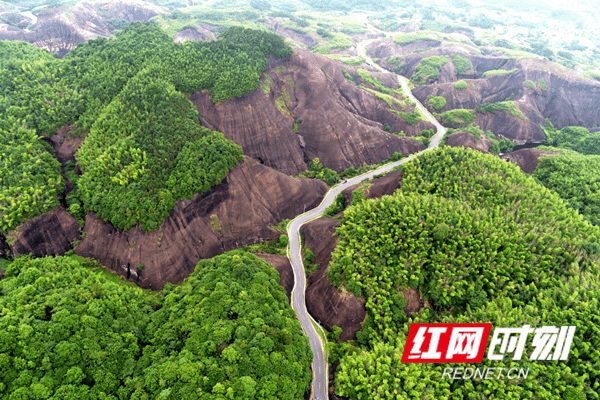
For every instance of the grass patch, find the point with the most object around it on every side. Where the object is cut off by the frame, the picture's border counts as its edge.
(516, 54)
(411, 118)
(461, 63)
(437, 102)
(394, 60)
(266, 84)
(509, 106)
(592, 75)
(215, 224)
(355, 60)
(414, 36)
(282, 226)
(529, 84)
(494, 72)
(388, 99)
(398, 68)
(542, 84)
(473, 129)
(280, 103)
(337, 41)
(347, 76)
(423, 50)
(428, 69)
(111, 276)
(293, 27)
(371, 80)
(296, 123)
(460, 85)
(460, 117)
(267, 247)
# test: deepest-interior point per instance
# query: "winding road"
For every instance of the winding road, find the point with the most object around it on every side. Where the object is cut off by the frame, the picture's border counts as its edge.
(309, 325)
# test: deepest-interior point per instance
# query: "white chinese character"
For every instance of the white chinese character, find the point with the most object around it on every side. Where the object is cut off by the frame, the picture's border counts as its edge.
(431, 353)
(465, 341)
(514, 340)
(547, 337)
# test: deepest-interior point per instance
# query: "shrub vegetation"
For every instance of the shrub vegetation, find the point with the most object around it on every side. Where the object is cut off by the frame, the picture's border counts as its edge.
(437, 102)
(428, 69)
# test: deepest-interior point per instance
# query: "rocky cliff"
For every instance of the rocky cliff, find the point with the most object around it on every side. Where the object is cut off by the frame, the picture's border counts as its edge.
(307, 108)
(527, 159)
(323, 300)
(467, 140)
(237, 212)
(61, 29)
(51, 234)
(566, 97)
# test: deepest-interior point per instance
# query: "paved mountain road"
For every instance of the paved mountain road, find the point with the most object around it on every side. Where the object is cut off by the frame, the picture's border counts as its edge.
(320, 365)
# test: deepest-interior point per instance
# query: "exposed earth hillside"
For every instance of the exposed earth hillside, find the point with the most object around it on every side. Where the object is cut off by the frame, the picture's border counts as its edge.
(238, 212)
(306, 108)
(60, 30)
(538, 89)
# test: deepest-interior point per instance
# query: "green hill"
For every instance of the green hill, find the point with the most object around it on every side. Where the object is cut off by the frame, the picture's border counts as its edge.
(228, 331)
(481, 242)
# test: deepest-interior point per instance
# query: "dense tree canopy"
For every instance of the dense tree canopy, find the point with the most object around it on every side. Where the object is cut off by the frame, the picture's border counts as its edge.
(29, 177)
(129, 94)
(16, 51)
(577, 138)
(227, 332)
(147, 150)
(481, 242)
(575, 178)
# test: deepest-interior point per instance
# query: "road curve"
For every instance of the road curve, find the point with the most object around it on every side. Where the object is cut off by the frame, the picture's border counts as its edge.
(320, 365)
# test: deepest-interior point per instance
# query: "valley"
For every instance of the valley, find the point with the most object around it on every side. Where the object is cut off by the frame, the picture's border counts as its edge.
(256, 200)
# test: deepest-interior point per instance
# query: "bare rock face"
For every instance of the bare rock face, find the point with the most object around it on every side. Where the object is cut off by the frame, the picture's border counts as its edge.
(194, 34)
(65, 147)
(564, 96)
(323, 300)
(527, 159)
(237, 212)
(467, 140)
(386, 185)
(50, 234)
(414, 302)
(304, 40)
(4, 247)
(387, 47)
(283, 266)
(341, 124)
(60, 30)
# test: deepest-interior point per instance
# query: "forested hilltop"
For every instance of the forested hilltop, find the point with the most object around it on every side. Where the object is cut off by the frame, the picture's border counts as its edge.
(481, 242)
(69, 331)
(128, 95)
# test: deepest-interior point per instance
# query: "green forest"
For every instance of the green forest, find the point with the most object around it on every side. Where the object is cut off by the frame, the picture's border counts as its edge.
(481, 242)
(227, 332)
(30, 179)
(143, 77)
(147, 150)
(576, 138)
(576, 179)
